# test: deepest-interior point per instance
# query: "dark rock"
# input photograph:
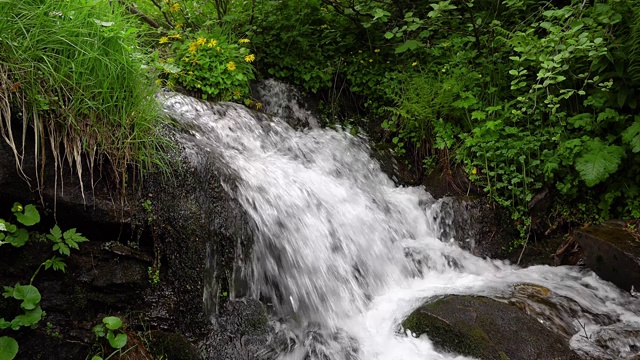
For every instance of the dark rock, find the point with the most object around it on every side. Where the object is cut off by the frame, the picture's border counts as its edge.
(171, 346)
(486, 329)
(612, 252)
(476, 225)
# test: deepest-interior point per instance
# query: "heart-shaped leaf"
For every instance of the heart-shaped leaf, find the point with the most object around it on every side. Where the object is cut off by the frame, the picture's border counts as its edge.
(29, 217)
(117, 342)
(112, 322)
(29, 295)
(8, 348)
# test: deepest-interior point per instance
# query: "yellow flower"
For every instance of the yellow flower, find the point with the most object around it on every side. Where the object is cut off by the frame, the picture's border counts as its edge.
(474, 171)
(175, 7)
(231, 66)
(178, 26)
(414, 63)
(190, 73)
(376, 50)
(258, 105)
(370, 60)
(249, 58)
(201, 41)
(193, 47)
(185, 59)
(244, 41)
(212, 43)
(171, 60)
(163, 40)
(175, 36)
(218, 49)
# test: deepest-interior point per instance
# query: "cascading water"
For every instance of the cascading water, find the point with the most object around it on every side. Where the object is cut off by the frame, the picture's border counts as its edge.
(345, 255)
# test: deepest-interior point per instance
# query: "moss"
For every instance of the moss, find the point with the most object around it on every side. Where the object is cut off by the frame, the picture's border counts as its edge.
(443, 335)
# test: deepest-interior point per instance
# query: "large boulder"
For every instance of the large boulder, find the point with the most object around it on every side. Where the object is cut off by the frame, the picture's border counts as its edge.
(612, 252)
(486, 329)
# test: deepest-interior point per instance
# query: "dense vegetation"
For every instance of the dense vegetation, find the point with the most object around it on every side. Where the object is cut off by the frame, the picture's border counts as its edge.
(527, 97)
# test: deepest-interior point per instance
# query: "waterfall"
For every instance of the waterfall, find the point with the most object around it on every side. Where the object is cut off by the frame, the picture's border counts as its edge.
(344, 255)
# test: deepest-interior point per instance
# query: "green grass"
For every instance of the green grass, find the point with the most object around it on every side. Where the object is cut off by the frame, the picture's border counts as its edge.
(72, 69)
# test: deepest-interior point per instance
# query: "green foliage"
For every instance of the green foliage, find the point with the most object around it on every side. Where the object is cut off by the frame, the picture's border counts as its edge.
(527, 96)
(111, 329)
(28, 294)
(74, 70)
(8, 347)
(210, 64)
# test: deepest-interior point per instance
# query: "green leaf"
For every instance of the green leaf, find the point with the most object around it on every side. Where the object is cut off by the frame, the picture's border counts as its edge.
(631, 135)
(99, 330)
(96, 357)
(112, 322)
(408, 45)
(3, 226)
(4, 323)
(29, 217)
(18, 237)
(56, 234)
(29, 318)
(8, 348)
(480, 115)
(29, 295)
(117, 342)
(598, 161)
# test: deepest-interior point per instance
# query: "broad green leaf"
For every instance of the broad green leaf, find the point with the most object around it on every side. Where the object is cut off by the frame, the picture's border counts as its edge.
(408, 45)
(29, 295)
(29, 318)
(598, 161)
(8, 348)
(96, 357)
(117, 342)
(18, 238)
(3, 226)
(4, 323)
(631, 135)
(29, 217)
(112, 322)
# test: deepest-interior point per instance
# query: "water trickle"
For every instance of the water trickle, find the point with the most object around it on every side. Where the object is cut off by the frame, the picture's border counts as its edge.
(345, 255)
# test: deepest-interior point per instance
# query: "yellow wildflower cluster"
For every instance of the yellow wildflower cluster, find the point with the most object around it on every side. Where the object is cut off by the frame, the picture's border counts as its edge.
(244, 41)
(231, 66)
(175, 36)
(200, 42)
(175, 7)
(250, 58)
(163, 40)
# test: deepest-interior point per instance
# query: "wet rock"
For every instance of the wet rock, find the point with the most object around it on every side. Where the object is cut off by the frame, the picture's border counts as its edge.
(611, 252)
(165, 345)
(486, 329)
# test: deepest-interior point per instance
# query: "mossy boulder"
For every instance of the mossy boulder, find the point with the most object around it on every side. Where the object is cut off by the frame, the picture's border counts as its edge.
(612, 252)
(486, 329)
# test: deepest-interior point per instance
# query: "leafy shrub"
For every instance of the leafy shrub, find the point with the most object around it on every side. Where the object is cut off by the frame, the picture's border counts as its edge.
(210, 64)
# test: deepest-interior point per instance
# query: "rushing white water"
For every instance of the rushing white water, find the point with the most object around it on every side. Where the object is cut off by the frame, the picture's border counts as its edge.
(346, 255)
